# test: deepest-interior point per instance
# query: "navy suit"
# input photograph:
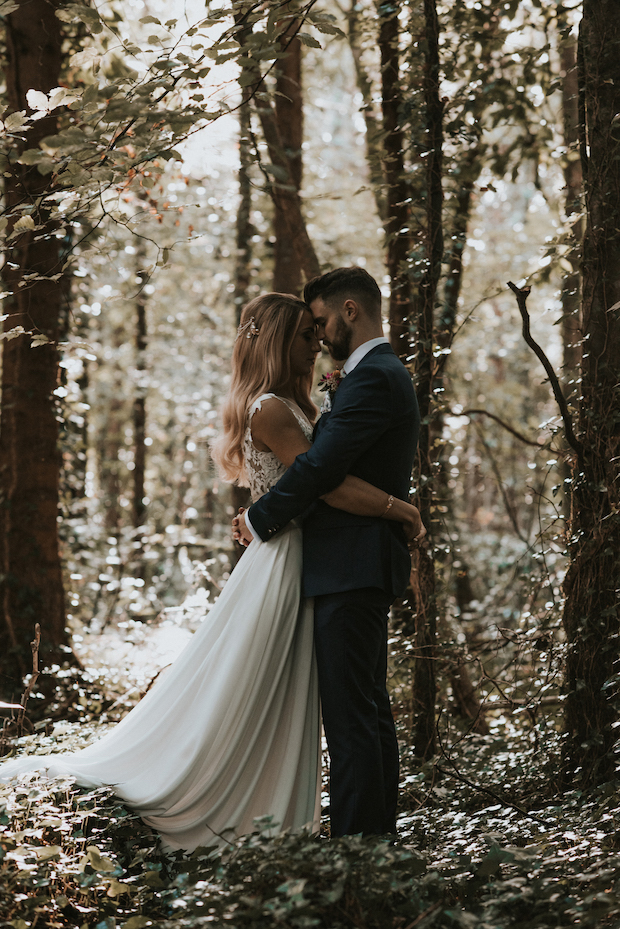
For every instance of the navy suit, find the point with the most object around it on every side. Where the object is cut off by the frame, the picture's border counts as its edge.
(354, 567)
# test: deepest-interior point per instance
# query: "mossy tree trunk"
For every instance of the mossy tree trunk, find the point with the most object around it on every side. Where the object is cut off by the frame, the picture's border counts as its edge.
(423, 575)
(592, 608)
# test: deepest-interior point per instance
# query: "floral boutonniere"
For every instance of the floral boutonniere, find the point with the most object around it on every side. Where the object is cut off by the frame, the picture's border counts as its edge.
(329, 384)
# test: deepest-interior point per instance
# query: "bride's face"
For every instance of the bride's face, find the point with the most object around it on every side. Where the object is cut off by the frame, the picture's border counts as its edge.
(304, 347)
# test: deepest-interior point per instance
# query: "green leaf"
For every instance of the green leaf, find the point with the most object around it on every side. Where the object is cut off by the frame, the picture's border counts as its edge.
(12, 333)
(309, 40)
(39, 339)
(83, 59)
(491, 864)
(15, 121)
(96, 860)
(48, 851)
(150, 19)
(32, 156)
(24, 224)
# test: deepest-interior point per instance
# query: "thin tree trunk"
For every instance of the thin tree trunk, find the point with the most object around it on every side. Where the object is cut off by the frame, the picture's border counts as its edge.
(374, 128)
(592, 608)
(282, 187)
(29, 455)
(424, 687)
(573, 180)
(571, 283)
(284, 193)
(396, 223)
(240, 497)
(289, 117)
(111, 438)
(139, 403)
(243, 229)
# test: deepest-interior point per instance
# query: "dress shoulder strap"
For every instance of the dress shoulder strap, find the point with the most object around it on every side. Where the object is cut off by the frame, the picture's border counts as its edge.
(257, 404)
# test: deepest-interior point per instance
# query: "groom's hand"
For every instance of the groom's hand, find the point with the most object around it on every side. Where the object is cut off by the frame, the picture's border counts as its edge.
(241, 533)
(414, 529)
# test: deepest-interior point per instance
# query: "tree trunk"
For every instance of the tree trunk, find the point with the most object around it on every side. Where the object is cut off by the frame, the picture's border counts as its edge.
(111, 438)
(139, 403)
(374, 129)
(289, 117)
(29, 455)
(240, 496)
(424, 687)
(284, 193)
(591, 613)
(571, 315)
(243, 229)
(397, 219)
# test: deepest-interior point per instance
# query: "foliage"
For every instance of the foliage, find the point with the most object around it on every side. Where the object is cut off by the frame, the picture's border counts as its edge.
(484, 841)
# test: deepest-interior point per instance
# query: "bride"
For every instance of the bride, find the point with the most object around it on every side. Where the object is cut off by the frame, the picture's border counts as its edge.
(230, 732)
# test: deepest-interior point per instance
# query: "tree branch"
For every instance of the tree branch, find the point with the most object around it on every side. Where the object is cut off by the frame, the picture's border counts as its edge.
(522, 294)
(504, 425)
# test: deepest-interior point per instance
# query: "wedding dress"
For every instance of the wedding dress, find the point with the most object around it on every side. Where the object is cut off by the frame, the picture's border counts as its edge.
(230, 731)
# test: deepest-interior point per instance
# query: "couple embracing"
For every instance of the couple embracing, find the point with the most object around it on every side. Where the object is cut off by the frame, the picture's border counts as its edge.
(231, 731)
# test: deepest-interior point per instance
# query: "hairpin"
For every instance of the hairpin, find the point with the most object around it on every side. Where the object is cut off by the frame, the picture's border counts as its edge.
(250, 326)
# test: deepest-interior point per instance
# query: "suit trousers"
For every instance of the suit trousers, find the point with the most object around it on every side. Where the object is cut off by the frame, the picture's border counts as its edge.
(351, 651)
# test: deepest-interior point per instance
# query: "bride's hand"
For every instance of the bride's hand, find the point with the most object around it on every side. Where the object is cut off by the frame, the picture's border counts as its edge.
(241, 533)
(236, 534)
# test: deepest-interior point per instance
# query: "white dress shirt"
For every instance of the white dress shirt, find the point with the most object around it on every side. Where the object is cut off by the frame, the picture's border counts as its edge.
(352, 361)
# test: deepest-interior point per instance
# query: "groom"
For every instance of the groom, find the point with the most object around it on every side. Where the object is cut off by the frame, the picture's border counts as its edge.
(353, 566)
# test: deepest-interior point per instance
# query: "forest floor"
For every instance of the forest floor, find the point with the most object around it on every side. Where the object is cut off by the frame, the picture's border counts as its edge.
(485, 837)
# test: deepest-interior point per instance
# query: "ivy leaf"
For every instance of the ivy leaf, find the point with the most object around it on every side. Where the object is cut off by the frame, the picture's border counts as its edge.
(491, 864)
(96, 860)
(48, 851)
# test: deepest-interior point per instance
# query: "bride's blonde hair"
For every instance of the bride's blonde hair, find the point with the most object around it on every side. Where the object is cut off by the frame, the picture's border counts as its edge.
(260, 364)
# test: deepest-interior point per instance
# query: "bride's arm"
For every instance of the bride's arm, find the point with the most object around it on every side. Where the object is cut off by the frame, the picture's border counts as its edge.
(275, 429)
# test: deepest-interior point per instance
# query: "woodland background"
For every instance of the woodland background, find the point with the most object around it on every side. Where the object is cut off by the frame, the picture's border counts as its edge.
(164, 164)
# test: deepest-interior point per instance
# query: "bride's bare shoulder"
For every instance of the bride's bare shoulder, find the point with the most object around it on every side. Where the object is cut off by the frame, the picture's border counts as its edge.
(274, 423)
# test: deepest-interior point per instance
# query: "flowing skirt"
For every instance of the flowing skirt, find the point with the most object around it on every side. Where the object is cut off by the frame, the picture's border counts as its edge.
(230, 732)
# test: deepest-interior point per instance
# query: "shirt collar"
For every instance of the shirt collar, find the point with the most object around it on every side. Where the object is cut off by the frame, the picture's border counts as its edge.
(360, 352)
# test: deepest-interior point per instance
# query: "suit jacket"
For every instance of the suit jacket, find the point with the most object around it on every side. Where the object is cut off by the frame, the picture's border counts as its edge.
(372, 433)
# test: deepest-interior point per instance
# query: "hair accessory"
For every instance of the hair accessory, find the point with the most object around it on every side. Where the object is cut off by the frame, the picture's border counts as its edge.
(252, 329)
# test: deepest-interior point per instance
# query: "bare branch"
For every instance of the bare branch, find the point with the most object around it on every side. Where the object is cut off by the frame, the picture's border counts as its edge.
(504, 425)
(522, 294)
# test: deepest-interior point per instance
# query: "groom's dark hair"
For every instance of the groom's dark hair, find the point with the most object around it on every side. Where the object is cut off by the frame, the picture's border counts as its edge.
(354, 283)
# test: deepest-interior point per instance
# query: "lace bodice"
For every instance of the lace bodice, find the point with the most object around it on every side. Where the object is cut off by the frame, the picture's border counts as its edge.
(263, 468)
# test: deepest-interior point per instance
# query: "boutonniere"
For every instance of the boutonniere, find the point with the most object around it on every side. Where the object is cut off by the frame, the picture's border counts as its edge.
(329, 384)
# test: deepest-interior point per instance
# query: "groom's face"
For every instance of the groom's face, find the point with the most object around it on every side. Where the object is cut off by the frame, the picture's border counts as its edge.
(332, 329)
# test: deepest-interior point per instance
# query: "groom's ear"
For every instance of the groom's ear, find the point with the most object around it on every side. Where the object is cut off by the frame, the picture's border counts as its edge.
(350, 310)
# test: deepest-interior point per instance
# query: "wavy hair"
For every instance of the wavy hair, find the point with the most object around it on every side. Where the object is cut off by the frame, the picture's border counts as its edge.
(260, 364)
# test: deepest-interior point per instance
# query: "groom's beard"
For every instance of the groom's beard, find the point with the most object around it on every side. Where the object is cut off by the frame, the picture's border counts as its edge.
(340, 346)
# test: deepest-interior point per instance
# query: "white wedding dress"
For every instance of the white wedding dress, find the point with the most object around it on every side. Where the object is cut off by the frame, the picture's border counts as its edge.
(230, 732)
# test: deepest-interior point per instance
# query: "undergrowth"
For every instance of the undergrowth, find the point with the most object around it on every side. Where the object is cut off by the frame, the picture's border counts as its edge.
(485, 841)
